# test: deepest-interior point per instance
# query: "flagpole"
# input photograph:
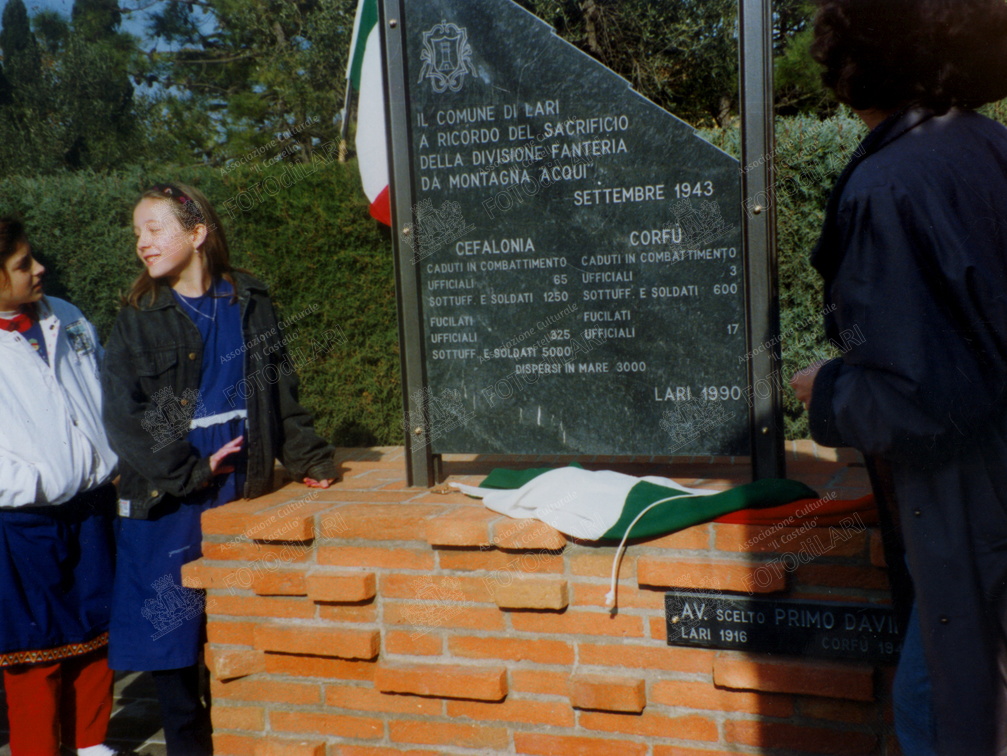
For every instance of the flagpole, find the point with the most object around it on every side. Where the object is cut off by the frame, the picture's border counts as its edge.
(759, 218)
(422, 467)
(344, 132)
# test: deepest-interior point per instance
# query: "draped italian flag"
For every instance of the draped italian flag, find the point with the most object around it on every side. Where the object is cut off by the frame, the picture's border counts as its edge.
(365, 75)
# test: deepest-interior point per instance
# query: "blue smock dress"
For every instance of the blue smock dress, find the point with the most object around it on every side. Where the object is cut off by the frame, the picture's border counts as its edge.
(156, 622)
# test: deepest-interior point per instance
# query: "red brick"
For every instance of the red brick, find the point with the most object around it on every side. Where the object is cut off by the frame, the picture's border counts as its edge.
(259, 606)
(739, 576)
(319, 667)
(530, 593)
(436, 587)
(252, 718)
(384, 522)
(608, 693)
(346, 587)
(765, 735)
(539, 681)
(500, 561)
(812, 678)
(658, 628)
(274, 747)
(343, 495)
(537, 650)
(228, 663)
(816, 541)
(279, 583)
(442, 680)
(599, 564)
(551, 713)
(263, 688)
(652, 725)
(573, 622)
(271, 554)
(877, 550)
(843, 576)
(413, 644)
(464, 526)
(368, 699)
(830, 710)
(506, 533)
(664, 750)
(445, 498)
(318, 640)
(339, 725)
(693, 660)
(628, 596)
(294, 521)
(697, 695)
(226, 744)
(450, 734)
(559, 745)
(367, 556)
(202, 573)
(229, 520)
(696, 537)
(350, 750)
(443, 614)
(348, 612)
(229, 632)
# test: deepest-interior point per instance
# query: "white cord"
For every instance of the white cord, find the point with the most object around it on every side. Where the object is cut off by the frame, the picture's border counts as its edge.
(610, 596)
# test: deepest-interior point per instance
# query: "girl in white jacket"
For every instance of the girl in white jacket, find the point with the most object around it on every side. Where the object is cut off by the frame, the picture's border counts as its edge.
(56, 508)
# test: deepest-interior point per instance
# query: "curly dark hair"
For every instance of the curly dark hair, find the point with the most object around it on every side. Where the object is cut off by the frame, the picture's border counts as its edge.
(888, 54)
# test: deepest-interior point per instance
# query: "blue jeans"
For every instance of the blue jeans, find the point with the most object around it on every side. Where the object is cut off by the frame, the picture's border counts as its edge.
(912, 696)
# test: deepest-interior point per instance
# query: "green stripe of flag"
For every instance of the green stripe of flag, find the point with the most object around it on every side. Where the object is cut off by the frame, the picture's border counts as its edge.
(366, 20)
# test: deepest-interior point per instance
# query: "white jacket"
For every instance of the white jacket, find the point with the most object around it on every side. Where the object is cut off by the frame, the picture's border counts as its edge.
(52, 442)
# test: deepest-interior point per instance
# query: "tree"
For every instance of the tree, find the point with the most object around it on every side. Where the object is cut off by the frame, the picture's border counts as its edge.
(96, 89)
(266, 75)
(26, 124)
(682, 54)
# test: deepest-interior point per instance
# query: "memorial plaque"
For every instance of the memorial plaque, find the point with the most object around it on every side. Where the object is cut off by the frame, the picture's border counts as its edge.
(794, 627)
(577, 248)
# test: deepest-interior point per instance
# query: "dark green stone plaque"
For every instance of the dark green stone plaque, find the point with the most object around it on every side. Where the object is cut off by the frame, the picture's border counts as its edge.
(578, 250)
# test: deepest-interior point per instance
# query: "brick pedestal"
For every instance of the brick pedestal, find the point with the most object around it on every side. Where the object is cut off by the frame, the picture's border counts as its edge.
(374, 619)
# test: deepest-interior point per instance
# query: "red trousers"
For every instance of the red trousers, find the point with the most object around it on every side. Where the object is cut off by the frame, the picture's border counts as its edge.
(72, 697)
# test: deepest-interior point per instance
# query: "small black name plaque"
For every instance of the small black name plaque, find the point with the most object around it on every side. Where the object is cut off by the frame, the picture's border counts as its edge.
(795, 627)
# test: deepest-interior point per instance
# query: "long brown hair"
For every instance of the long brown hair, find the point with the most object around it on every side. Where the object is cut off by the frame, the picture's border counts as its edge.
(12, 236)
(191, 208)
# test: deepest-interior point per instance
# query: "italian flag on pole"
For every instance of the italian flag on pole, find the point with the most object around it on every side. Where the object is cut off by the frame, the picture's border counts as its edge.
(364, 75)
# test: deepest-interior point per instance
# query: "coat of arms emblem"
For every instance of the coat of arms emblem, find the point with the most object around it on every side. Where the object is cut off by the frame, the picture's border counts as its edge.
(447, 57)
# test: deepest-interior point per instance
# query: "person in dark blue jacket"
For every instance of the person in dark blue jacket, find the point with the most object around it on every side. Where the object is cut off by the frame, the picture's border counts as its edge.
(914, 254)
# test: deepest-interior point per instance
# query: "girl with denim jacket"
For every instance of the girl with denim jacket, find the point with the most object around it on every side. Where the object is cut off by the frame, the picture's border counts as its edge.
(192, 432)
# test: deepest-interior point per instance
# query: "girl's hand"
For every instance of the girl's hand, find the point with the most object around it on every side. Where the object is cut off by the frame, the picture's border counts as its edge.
(231, 447)
(804, 380)
(312, 483)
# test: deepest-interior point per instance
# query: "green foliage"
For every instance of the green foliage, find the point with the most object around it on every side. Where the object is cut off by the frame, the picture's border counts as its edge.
(798, 81)
(250, 71)
(810, 155)
(328, 265)
(322, 255)
(682, 54)
(68, 101)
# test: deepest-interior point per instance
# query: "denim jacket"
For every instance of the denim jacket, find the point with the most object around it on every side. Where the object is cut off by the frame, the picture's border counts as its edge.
(151, 376)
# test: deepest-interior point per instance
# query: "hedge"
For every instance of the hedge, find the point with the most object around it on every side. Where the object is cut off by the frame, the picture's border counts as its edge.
(330, 270)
